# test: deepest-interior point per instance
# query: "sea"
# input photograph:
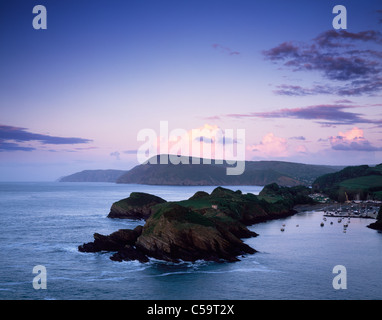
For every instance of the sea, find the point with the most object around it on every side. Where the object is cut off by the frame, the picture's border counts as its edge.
(43, 223)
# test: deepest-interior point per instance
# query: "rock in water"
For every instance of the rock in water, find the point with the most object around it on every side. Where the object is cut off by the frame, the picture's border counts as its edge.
(176, 233)
(137, 206)
(113, 242)
(377, 225)
(128, 253)
(204, 227)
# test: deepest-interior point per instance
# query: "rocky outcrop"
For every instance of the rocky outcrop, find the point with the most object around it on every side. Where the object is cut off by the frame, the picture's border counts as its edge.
(378, 224)
(206, 226)
(113, 242)
(179, 233)
(129, 253)
(137, 206)
(175, 233)
(122, 241)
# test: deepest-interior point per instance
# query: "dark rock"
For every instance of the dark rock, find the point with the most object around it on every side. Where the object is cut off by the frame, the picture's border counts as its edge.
(113, 242)
(137, 206)
(176, 233)
(128, 253)
(204, 227)
(378, 224)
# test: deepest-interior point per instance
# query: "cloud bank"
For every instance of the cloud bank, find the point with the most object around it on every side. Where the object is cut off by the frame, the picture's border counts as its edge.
(340, 57)
(11, 139)
(331, 114)
(352, 140)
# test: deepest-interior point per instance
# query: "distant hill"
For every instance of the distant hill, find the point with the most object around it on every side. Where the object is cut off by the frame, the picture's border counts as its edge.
(352, 183)
(94, 176)
(256, 173)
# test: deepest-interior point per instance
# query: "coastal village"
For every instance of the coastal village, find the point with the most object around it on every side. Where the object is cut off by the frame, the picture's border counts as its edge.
(368, 209)
(349, 209)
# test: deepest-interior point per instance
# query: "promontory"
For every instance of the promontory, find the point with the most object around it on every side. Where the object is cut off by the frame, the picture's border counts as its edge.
(204, 227)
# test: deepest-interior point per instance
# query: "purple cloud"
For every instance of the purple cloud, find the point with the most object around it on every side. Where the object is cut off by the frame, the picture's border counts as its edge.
(131, 151)
(365, 146)
(335, 39)
(294, 90)
(20, 134)
(227, 140)
(10, 134)
(9, 146)
(286, 50)
(301, 138)
(323, 114)
(319, 112)
(343, 101)
(335, 66)
(352, 140)
(338, 56)
(354, 88)
(115, 154)
(204, 139)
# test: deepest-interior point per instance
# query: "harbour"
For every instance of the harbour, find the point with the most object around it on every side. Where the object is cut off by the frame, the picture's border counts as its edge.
(361, 209)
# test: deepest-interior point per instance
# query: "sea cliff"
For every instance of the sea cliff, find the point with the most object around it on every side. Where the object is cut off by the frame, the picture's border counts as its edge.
(205, 226)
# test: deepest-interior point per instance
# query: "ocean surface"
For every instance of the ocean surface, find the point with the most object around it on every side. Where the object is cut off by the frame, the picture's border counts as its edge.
(43, 224)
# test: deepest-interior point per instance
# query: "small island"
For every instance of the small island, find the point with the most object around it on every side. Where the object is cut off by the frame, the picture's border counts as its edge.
(204, 227)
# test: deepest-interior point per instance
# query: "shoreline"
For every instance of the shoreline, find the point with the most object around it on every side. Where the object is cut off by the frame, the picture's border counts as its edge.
(333, 207)
(309, 207)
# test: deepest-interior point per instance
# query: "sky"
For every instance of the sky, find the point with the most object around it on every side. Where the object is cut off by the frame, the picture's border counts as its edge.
(77, 94)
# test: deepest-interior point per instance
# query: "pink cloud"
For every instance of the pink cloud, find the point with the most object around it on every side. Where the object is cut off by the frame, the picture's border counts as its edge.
(352, 140)
(301, 149)
(208, 141)
(271, 146)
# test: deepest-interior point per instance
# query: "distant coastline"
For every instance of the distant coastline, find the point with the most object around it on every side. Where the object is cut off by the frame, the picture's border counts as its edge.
(259, 173)
(108, 175)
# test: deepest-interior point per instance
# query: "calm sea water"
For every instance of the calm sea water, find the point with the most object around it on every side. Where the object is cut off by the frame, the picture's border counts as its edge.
(43, 224)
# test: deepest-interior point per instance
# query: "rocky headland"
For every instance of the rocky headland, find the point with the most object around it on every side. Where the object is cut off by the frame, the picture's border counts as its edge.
(94, 176)
(138, 205)
(206, 226)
